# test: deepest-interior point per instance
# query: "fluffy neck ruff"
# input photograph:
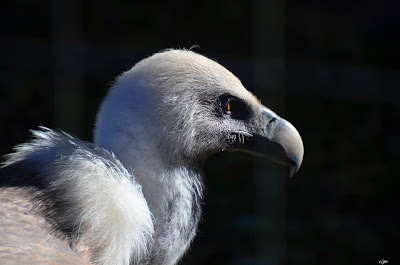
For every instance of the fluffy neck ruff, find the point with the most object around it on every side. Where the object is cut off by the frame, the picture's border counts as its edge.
(172, 188)
(86, 195)
(144, 210)
(101, 208)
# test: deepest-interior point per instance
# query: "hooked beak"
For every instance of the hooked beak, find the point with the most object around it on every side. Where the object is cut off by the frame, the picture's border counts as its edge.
(281, 142)
(276, 139)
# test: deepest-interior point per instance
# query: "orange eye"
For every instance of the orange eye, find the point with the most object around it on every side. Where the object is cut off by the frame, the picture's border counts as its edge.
(228, 106)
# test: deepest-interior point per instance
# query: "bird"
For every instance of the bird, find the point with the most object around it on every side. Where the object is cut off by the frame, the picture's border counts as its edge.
(134, 196)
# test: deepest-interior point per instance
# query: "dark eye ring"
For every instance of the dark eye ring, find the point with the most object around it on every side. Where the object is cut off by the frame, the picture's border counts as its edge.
(233, 107)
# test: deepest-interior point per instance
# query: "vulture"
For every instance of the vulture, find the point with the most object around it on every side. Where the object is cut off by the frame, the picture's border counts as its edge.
(134, 196)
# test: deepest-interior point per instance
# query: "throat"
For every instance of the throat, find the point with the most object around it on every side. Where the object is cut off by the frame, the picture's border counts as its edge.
(175, 201)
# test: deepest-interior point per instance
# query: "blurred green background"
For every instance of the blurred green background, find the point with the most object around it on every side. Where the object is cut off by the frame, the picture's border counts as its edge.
(329, 67)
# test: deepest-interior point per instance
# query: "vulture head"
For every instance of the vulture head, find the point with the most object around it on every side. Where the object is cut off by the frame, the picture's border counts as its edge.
(178, 107)
(134, 197)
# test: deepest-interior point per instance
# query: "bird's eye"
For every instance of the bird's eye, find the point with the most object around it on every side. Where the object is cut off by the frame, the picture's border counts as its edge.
(228, 107)
(226, 104)
(233, 107)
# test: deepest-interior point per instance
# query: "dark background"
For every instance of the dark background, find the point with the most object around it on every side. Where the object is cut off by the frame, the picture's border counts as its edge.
(329, 67)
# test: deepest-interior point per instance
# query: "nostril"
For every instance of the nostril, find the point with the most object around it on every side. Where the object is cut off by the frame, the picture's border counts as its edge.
(271, 123)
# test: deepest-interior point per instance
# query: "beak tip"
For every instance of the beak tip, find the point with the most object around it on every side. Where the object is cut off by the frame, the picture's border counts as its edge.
(294, 169)
(292, 143)
(298, 158)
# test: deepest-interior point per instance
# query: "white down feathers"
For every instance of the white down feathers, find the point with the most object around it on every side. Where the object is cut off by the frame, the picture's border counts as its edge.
(109, 215)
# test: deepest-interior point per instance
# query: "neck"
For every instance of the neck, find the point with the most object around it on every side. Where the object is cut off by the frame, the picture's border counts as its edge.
(174, 195)
(172, 189)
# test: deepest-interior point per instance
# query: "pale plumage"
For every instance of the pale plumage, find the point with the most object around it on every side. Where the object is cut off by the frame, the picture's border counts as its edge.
(134, 197)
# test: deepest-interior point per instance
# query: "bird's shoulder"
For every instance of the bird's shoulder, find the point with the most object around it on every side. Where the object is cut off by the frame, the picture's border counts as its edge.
(40, 157)
(24, 235)
(86, 196)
